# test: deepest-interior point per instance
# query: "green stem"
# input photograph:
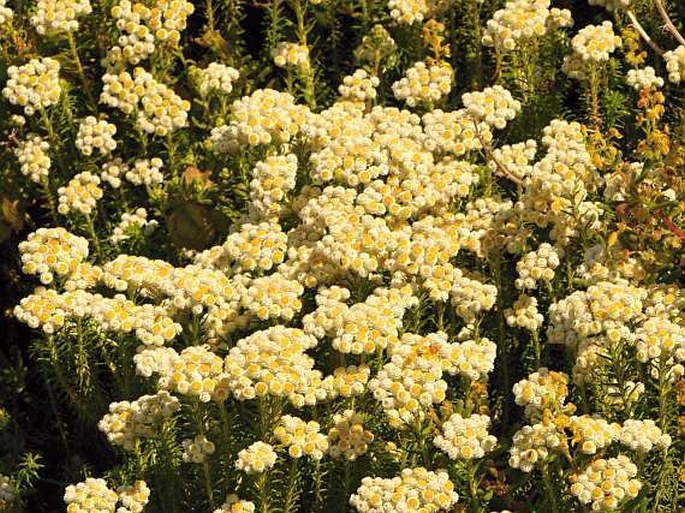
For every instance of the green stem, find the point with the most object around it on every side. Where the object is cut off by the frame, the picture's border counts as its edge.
(503, 344)
(209, 8)
(549, 490)
(347, 483)
(291, 493)
(263, 492)
(307, 74)
(208, 482)
(94, 236)
(171, 153)
(50, 199)
(593, 101)
(538, 350)
(79, 67)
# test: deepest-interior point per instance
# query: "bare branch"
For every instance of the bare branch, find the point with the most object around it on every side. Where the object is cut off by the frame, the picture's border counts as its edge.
(667, 20)
(643, 34)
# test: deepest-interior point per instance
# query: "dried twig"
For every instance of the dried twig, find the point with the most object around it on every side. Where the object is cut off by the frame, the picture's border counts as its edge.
(643, 34)
(667, 20)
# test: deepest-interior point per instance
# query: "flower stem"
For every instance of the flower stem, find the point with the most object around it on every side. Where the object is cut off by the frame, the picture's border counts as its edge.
(549, 490)
(94, 236)
(79, 67)
(291, 494)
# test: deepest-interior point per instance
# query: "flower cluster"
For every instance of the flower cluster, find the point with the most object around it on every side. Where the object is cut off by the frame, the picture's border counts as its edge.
(532, 444)
(606, 483)
(611, 5)
(472, 359)
(415, 489)
(408, 12)
(130, 421)
(144, 171)
(328, 317)
(81, 194)
(273, 296)
(7, 493)
(348, 438)
(254, 247)
(265, 116)
(272, 179)
(33, 157)
(162, 110)
(643, 435)
(122, 90)
(159, 109)
(515, 158)
(113, 171)
(257, 458)
(301, 438)
(470, 297)
(134, 497)
(6, 14)
(196, 450)
(595, 42)
(52, 250)
(291, 55)
(132, 223)
(33, 86)
(521, 21)
(537, 266)
(59, 15)
(215, 78)
(371, 325)
(412, 380)
(645, 78)
(273, 362)
(360, 86)
(196, 372)
(454, 132)
(424, 83)
(347, 381)
(524, 314)
(542, 390)
(493, 106)
(465, 438)
(592, 45)
(47, 309)
(592, 433)
(96, 135)
(675, 64)
(143, 26)
(235, 505)
(92, 495)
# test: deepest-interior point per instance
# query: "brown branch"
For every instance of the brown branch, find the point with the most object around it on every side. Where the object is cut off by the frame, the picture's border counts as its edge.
(667, 20)
(643, 33)
(488, 150)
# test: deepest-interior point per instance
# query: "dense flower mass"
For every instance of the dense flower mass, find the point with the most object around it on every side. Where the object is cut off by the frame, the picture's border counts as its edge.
(33, 86)
(33, 156)
(404, 256)
(606, 483)
(521, 21)
(59, 15)
(50, 251)
(81, 194)
(424, 83)
(90, 495)
(96, 135)
(415, 489)
(257, 458)
(6, 14)
(466, 438)
(215, 78)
